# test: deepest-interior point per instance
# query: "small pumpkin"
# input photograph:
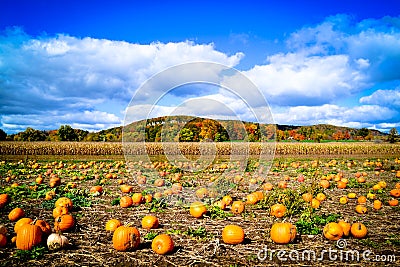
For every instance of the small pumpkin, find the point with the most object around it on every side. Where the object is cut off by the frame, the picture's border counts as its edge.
(125, 202)
(126, 188)
(351, 195)
(359, 230)
(44, 226)
(58, 211)
(227, 199)
(64, 222)
(333, 231)
(54, 181)
(21, 222)
(320, 197)
(237, 207)
(361, 209)
(149, 222)
(137, 198)
(362, 200)
(162, 244)
(96, 189)
(220, 204)
(283, 233)
(395, 192)
(112, 225)
(307, 197)
(57, 241)
(343, 200)
(233, 234)
(278, 210)
(16, 214)
(393, 202)
(315, 203)
(3, 240)
(377, 204)
(325, 184)
(4, 198)
(126, 238)
(345, 227)
(251, 199)
(341, 185)
(28, 236)
(197, 209)
(64, 202)
(268, 186)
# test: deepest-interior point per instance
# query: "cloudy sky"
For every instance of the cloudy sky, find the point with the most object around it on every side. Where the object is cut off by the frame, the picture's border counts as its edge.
(83, 62)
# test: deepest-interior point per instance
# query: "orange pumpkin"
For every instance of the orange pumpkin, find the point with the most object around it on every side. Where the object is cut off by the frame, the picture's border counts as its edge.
(197, 209)
(251, 199)
(64, 222)
(149, 222)
(220, 204)
(325, 184)
(126, 188)
(58, 211)
(137, 198)
(268, 187)
(341, 185)
(28, 236)
(237, 207)
(97, 189)
(126, 238)
(44, 226)
(64, 202)
(393, 202)
(320, 197)
(227, 199)
(282, 184)
(333, 231)
(345, 227)
(21, 222)
(16, 214)
(4, 198)
(162, 244)
(362, 200)
(377, 204)
(148, 198)
(112, 225)
(307, 197)
(283, 233)
(359, 230)
(125, 202)
(233, 234)
(398, 184)
(3, 240)
(395, 192)
(361, 209)
(315, 203)
(278, 210)
(54, 181)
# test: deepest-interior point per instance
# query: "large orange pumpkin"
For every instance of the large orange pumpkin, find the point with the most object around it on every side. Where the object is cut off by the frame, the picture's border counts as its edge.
(233, 234)
(345, 227)
(393, 202)
(237, 207)
(149, 222)
(283, 233)
(4, 198)
(21, 222)
(16, 214)
(126, 238)
(28, 236)
(359, 230)
(197, 209)
(64, 222)
(58, 211)
(162, 244)
(125, 202)
(44, 226)
(64, 202)
(395, 192)
(278, 210)
(333, 231)
(137, 198)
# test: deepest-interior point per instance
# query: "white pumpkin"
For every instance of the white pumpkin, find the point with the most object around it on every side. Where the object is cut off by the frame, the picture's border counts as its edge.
(57, 241)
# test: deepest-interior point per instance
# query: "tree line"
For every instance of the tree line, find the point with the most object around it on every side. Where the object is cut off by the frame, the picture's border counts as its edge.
(187, 129)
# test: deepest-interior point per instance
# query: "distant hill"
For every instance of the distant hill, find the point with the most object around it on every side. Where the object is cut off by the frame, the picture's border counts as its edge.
(195, 129)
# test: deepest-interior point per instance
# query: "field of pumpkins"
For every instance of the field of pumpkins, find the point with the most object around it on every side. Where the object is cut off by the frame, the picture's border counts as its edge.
(92, 213)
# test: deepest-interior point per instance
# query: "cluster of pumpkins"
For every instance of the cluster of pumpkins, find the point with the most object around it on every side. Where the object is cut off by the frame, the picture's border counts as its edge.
(30, 233)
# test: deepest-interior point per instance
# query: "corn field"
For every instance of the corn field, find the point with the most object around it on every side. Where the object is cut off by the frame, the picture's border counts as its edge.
(281, 149)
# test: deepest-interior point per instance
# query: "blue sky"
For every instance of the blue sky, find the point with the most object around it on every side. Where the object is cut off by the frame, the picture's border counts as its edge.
(81, 62)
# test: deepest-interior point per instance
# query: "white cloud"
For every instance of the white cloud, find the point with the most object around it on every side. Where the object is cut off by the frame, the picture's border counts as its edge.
(388, 98)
